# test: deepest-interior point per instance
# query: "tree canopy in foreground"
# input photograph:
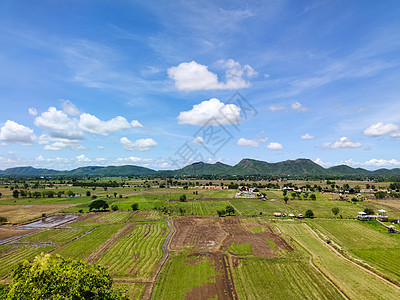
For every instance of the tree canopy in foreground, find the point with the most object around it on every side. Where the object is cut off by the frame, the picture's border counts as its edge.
(54, 277)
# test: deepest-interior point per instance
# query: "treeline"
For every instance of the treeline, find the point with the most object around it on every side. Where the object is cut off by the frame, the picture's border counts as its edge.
(43, 194)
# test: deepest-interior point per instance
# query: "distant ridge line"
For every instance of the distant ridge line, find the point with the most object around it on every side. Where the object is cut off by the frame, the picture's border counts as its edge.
(246, 167)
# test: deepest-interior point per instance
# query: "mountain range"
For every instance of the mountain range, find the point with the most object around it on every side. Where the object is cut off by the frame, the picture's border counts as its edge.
(246, 167)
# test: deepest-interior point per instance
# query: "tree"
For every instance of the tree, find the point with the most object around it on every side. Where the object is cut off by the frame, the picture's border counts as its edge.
(135, 206)
(114, 207)
(286, 198)
(1, 194)
(98, 204)
(221, 212)
(182, 198)
(369, 211)
(313, 197)
(88, 194)
(15, 193)
(335, 210)
(309, 213)
(230, 210)
(49, 277)
(3, 220)
(70, 193)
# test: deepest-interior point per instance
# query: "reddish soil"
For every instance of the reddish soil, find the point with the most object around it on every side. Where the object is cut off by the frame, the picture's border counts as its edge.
(199, 233)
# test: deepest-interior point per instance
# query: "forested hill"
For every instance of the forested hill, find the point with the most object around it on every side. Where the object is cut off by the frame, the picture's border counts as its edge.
(246, 167)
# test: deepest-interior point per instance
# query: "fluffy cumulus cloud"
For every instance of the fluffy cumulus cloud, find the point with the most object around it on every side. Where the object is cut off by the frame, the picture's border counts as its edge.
(213, 112)
(380, 128)
(343, 142)
(136, 124)
(13, 132)
(56, 146)
(253, 143)
(191, 76)
(69, 108)
(274, 146)
(307, 137)
(92, 124)
(140, 144)
(59, 124)
(133, 159)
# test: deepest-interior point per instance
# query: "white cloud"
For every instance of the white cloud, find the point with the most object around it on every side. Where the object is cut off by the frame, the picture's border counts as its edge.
(343, 142)
(380, 128)
(164, 165)
(254, 142)
(56, 146)
(372, 163)
(141, 144)
(69, 108)
(212, 111)
(133, 159)
(274, 146)
(92, 124)
(100, 147)
(276, 107)
(136, 124)
(40, 158)
(59, 124)
(197, 140)
(307, 137)
(32, 111)
(16, 133)
(82, 158)
(298, 106)
(191, 76)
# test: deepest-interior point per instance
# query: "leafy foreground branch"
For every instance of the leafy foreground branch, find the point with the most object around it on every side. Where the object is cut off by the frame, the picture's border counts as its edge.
(54, 277)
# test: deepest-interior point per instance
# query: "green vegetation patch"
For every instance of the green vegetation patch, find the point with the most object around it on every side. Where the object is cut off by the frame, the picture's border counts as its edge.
(281, 279)
(179, 275)
(241, 249)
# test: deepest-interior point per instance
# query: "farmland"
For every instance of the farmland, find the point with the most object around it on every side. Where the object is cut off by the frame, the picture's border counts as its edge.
(172, 249)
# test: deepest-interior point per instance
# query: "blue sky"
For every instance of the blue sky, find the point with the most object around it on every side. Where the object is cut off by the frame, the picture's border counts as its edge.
(165, 83)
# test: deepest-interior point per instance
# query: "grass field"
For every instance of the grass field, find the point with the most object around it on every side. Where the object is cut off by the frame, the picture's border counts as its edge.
(181, 274)
(368, 241)
(281, 279)
(353, 281)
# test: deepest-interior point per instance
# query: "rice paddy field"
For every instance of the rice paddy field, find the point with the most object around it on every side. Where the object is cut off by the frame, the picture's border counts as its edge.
(169, 249)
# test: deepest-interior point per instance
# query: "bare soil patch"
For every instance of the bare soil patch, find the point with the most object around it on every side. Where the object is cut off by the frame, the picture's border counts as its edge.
(21, 213)
(199, 233)
(8, 233)
(237, 233)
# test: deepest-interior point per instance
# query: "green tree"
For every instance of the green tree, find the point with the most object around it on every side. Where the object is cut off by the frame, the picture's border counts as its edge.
(97, 205)
(286, 199)
(182, 198)
(221, 212)
(369, 211)
(135, 206)
(309, 213)
(313, 197)
(230, 210)
(49, 277)
(335, 210)
(114, 207)
(15, 193)
(88, 193)
(3, 220)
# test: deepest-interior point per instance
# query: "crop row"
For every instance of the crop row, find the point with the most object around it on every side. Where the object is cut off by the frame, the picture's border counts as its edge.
(279, 279)
(138, 252)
